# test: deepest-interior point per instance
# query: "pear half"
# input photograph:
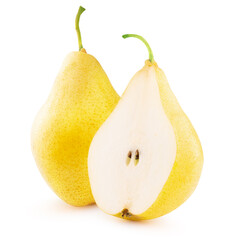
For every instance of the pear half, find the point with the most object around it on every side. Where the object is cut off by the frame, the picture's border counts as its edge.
(146, 159)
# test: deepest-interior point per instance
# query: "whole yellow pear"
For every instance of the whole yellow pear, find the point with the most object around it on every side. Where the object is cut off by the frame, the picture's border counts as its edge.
(81, 99)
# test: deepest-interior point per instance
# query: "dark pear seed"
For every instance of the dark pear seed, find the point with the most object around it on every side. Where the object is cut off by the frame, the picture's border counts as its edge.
(129, 155)
(136, 157)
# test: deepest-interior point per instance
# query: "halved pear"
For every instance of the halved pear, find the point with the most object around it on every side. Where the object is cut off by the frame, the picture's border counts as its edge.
(146, 159)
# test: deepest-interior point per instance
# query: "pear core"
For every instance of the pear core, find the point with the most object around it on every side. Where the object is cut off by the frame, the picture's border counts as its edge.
(132, 154)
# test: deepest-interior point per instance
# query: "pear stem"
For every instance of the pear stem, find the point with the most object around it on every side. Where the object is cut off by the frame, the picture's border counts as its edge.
(151, 57)
(77, 20)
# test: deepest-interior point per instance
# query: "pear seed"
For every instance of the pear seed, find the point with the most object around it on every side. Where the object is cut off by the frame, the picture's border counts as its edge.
(136, 157)
(129, 155)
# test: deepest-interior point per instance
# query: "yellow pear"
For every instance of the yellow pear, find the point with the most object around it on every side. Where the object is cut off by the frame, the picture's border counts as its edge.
(146, 158)
(81, 99)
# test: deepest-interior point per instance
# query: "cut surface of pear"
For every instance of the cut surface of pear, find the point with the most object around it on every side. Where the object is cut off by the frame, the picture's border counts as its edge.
(146, 158)
(134, 150)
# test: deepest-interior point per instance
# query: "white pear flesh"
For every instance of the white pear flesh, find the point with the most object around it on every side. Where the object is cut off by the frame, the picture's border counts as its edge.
(138, 123)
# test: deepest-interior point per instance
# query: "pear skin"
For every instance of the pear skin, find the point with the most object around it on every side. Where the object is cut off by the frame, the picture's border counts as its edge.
(81, 99)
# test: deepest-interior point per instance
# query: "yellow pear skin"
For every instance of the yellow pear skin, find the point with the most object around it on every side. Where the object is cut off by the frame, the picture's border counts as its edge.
(81, 99)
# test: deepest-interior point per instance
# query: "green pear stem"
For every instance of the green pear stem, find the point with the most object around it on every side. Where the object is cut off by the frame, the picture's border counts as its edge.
(151, 58)
(77, 20)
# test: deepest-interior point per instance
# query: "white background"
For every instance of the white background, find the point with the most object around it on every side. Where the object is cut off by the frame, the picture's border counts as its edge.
(188, 42)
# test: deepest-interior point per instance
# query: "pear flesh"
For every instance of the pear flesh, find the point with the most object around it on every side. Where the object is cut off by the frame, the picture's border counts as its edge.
(139, 149)
(135, 160)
